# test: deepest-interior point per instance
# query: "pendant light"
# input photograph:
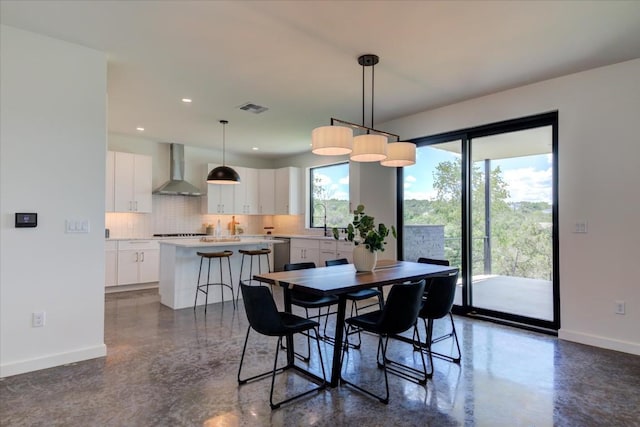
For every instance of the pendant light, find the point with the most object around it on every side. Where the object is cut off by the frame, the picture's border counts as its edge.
(400, 154)
(372, 145)
(223, 174)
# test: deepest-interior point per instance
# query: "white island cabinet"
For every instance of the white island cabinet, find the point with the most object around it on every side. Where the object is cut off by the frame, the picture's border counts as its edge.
(180, 263)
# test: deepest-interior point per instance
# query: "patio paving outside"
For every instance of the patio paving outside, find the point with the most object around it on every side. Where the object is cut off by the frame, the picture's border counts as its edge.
(515, 295)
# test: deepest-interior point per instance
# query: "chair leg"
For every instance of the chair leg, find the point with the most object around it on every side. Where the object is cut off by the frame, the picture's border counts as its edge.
(381, 348)
(426, 346)
(240, 278)
(455, 337)
(233, 301)
(195, 302)
(273, 376)
(409, 372)
(242, 381)
(206, 294)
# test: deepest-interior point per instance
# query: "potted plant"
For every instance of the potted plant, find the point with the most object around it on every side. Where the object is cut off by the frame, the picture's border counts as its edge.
(367, 237)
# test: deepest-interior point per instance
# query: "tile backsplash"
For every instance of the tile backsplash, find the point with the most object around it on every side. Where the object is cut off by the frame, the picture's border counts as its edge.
(181, 214)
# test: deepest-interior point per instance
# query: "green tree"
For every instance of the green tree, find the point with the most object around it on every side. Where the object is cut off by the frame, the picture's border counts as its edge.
(520, 233)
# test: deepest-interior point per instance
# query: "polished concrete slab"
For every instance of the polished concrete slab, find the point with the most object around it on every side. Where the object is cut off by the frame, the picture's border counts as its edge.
(178, 368)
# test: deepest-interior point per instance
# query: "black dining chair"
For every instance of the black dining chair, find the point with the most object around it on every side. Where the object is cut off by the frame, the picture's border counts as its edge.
(432, 310)
(354, 297)
(310, 301)
(398, 315)
(436, 305)
(265, 319)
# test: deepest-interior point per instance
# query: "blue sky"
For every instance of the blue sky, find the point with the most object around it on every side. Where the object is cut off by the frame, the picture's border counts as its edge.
(529, 178)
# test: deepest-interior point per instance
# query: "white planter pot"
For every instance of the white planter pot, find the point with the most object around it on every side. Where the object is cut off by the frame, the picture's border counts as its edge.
(364, 259)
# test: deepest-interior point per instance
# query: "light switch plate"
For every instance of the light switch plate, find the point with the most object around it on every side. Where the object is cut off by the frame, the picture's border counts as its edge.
(581, 227)
(77, 226)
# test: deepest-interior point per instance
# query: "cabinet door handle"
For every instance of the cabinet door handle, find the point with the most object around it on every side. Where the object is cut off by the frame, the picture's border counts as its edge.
(142, 258)
(137, 256)
(136, 206)
(130, 205)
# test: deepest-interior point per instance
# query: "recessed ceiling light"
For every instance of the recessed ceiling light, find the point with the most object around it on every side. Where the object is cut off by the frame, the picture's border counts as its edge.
(140, 129)
(255, 148)
(186, 100)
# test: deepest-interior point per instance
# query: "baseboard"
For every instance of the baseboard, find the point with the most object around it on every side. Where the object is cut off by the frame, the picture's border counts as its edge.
(599, 341)
(49, 361)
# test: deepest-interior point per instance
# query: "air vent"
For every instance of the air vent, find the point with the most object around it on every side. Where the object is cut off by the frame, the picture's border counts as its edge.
(253, 108)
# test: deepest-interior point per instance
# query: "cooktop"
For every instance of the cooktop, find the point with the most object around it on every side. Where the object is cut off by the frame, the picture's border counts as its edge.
(179, 235)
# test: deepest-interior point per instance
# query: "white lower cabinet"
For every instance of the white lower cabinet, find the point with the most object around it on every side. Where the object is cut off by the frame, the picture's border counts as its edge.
(138, 261)
(111, 263)
(305, 250)
(319, 250)
(344, 250)
(327, 251)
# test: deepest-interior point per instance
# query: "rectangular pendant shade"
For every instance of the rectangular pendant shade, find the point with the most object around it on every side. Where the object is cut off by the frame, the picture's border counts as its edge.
(369, 148)
(400, 154)
(331, 140)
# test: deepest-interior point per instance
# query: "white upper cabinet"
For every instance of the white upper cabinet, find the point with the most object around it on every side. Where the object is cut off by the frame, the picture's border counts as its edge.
(287, 188)
(246, 193)
(132, 182)
(260, 192)
(220, 197)
(266, 191)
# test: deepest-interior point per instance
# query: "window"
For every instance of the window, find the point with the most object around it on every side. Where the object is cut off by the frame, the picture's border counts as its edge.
(329, 196)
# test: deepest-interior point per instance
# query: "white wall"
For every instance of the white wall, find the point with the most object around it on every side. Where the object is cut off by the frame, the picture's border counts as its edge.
(52, 157)
(599, 181)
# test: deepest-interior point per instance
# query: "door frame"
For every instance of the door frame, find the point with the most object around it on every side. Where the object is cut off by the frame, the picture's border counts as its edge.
(465, 136)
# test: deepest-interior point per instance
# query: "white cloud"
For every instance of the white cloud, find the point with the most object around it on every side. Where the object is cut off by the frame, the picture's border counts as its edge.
(341, 195)
(529, 184)
(344, 180)
(419, 195)
(323, 179)
(410, 178)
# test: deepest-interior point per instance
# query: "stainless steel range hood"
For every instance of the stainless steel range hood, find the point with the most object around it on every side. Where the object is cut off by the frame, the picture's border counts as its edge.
(177, 186)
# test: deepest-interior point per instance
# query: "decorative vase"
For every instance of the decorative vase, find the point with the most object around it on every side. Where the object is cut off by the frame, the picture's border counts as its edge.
(364, 259)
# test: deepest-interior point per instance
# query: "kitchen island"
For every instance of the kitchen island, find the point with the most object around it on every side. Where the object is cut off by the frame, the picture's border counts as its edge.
(180, 263)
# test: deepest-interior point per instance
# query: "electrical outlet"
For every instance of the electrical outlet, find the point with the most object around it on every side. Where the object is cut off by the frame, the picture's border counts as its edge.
(38, 319)
(620, 307)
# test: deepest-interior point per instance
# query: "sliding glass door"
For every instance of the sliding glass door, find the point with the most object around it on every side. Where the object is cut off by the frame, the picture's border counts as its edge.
(511, 211)
(432, 205)
(485, 199)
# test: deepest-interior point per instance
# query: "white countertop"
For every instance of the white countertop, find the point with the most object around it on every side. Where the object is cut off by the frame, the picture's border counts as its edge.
(197, 243)
(303, 236)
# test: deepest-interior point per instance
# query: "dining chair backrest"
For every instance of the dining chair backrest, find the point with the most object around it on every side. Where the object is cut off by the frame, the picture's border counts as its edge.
(261, 310)
(402, 307)
(423, 260)
(439, 300)
(299, 266)
(339, 261)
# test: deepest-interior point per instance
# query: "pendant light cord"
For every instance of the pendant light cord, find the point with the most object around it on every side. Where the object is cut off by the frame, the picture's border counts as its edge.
(373, 70)
(224, 127)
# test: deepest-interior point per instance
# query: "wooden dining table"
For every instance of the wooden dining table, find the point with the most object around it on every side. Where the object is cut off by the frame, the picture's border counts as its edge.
(340, 280)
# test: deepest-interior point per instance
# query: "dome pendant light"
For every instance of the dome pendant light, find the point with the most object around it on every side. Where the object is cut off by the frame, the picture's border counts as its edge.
(223, 174)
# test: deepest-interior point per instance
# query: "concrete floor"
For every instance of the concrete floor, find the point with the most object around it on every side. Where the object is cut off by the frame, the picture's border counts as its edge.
(177, 368)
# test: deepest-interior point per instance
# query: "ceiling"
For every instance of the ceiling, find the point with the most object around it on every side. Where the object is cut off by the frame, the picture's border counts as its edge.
(299, 59)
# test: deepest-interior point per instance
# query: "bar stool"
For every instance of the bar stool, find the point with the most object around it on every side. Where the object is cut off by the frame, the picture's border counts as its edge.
(204, 287)
(251, 253)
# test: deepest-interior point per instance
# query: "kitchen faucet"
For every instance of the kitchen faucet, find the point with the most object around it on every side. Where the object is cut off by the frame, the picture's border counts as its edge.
(324, 209)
